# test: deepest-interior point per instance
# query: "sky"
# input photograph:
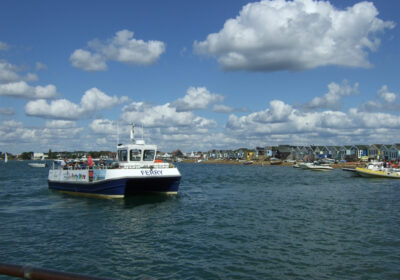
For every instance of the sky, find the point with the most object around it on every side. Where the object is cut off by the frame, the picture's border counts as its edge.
(198, 75)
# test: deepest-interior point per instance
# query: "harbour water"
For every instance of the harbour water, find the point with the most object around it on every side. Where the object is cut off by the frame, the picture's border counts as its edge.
(228, 222)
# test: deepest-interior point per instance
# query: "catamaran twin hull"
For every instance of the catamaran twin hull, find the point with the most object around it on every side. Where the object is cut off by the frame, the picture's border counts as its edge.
(115, 183)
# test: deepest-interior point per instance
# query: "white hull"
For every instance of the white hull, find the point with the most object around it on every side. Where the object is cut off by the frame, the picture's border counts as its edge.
(37, 165)
(320, 168)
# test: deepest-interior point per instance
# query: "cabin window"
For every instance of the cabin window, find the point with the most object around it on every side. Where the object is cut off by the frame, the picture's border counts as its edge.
(122, 155)
(135, 155)
(149, 155)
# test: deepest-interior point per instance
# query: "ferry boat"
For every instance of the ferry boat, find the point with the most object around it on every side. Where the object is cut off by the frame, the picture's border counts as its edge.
(136, 171)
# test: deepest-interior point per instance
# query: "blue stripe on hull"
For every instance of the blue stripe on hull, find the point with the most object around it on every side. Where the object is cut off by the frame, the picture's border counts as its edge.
(119, 187)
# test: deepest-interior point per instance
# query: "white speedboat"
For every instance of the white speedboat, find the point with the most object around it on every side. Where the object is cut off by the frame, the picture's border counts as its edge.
(320, 167)
(136, 171)
(37, 164)
(305, 165)
(314, 166)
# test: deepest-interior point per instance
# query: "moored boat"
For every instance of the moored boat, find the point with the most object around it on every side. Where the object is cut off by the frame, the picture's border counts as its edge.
(304, 165)
(314, 166)
(379, 173)
(37, 164)
(136, 171)
(320, 167)
(275, 161)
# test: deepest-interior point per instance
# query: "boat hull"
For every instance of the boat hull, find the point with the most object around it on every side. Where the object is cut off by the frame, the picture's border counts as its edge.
(119, 188)
(323, 169)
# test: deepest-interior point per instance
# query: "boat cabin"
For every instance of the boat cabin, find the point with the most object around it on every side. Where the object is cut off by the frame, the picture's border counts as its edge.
(137, 153)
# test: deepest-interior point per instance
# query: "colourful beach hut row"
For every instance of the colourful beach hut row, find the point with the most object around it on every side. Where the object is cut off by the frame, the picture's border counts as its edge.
(348, 153)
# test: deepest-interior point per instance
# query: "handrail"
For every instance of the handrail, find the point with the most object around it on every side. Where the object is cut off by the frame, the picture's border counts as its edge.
(34, 273)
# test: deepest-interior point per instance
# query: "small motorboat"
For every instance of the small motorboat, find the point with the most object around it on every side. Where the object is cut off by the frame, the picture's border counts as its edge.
(320, 167)
(379, 173)
(37, 165)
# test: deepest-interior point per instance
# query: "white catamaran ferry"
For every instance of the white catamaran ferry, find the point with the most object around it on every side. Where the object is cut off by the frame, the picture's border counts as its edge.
(136, 171)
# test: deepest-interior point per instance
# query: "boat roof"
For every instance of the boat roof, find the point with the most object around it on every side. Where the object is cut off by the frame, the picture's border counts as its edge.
(137, 146)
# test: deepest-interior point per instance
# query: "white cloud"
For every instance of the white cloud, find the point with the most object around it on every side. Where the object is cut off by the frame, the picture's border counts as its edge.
(31, 77)
(332, 99)
(296, 35)
(389, 102)
(14, 132)
(103, 126)
(40, 66)
(92, 101)
(54, 135)
(22, 90)
(60, 124)
(57, 109)
(219, 108)
(7, 111)
(384, 93)
(281, 123)
(195, 99)
(96, 100)
(13, 85)
(162, 116)
(8, 72)
(86, 61)
(122, 48)
(3, 46)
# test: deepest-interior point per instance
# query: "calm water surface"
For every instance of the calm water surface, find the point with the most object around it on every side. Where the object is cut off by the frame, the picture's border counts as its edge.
(228, 222)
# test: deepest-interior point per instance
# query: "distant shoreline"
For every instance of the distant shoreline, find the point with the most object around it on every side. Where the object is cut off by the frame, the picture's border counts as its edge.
(268, 163)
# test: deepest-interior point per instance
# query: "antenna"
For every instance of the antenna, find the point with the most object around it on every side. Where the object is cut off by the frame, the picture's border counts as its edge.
(133, 133)
(117, 133)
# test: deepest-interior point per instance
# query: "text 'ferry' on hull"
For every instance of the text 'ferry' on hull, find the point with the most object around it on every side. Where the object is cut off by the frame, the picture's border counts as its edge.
(136, 171)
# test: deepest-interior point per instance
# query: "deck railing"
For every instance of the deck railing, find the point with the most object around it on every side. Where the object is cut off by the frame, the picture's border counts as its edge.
(34, 273)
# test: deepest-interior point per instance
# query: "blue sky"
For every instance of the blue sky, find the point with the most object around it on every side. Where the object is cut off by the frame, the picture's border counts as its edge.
(198, 75)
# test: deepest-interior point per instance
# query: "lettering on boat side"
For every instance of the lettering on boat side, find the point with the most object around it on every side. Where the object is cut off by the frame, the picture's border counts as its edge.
(75, 176)
(151, 172)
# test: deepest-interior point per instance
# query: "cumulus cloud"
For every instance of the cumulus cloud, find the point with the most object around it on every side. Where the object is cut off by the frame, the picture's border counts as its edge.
(92, 101)
(274, 35)
(332, 99)
(282, 123)
(57, 135)
(195, 99)
(8, 72)
(87, 61)
(121, 48)
(163, 116)
(14, 85)
(384, 93)
(22, 90)
(103, 126)
(60, 124)
(387, 102)
(14, 132)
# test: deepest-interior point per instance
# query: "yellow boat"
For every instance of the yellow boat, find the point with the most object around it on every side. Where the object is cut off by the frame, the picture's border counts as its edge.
(382, 173)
